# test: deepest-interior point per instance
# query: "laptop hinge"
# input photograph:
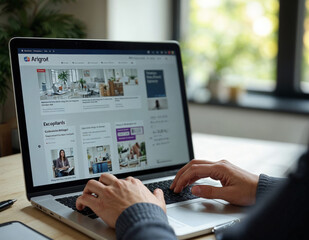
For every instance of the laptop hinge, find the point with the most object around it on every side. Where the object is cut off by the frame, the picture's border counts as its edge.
(157, 175)
(56, 192)
(80, 188)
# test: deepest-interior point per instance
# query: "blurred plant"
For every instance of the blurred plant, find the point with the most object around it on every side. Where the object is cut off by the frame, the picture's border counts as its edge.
(143, 149)
(305, 62)
(32, 18)
(82, 82)
(230, 38)
(64, 76)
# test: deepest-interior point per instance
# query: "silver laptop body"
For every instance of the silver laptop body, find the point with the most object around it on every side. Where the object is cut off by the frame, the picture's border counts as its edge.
(86, 107)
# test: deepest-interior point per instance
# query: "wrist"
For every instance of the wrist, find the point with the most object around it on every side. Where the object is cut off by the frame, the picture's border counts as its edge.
(254, 186)
(139, 212)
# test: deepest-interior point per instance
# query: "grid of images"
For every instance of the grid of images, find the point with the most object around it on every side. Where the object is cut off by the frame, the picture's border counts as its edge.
(99, 159)
(84, 83)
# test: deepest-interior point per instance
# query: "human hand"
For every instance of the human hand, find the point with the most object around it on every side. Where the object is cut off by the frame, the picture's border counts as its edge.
(238, 186)
(110, 196)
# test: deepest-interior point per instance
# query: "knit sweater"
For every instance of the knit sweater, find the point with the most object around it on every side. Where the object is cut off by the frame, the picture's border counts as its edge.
(280, 213)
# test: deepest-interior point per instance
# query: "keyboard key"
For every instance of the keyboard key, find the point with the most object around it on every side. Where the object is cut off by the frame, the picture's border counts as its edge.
(169, 195)
(71, 203)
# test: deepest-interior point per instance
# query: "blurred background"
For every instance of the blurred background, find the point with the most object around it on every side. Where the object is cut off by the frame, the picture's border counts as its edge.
(246, 62)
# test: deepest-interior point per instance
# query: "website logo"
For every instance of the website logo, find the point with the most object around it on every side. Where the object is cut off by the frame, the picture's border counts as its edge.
(36, 59)
(39, 59)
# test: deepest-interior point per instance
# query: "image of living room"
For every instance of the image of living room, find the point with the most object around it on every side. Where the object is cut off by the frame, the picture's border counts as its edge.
(62, 162)
(99, 159)
(84, 83)
(132, 154)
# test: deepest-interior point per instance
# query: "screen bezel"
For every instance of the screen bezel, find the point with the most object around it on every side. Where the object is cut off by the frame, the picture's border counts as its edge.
(16, 43)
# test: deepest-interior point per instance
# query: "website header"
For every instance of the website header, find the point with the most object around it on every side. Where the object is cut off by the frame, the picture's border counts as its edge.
(92, 51)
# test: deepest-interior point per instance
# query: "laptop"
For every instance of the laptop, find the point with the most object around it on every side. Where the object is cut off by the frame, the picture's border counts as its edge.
(123, 111)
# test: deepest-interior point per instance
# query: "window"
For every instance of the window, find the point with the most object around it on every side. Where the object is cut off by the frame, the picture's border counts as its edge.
(236, 40)
(305, 62)
(262, 45)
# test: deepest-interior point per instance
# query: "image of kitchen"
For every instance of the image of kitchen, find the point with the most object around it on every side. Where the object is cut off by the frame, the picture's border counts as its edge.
(99, 159)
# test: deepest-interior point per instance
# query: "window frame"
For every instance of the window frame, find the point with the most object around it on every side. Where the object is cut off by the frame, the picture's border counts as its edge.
(291, 18)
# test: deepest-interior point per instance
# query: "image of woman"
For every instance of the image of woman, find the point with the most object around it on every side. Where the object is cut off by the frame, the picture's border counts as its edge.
(62, 164)
(136, 150)
(157, 106)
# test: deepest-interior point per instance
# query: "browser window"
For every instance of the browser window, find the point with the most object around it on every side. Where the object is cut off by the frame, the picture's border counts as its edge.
(94, 111)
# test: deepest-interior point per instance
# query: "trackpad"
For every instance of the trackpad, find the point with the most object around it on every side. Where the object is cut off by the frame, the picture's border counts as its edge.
(203, 212)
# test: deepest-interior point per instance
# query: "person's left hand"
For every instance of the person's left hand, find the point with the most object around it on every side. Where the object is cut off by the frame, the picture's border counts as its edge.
(110, 196)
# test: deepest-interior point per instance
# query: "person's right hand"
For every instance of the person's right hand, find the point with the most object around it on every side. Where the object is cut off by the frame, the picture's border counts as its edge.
(238, 186)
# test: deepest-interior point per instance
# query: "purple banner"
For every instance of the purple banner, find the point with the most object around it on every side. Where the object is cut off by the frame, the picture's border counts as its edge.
(128, 134)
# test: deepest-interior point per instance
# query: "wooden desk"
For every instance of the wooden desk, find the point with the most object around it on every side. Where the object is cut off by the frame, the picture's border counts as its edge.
(257, 156)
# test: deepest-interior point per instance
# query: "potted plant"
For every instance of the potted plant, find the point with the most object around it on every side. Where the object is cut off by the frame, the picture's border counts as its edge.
(132, 77)
(112, 79)
(82, 82)
(64, 76)
(35, 18)
(32, 18)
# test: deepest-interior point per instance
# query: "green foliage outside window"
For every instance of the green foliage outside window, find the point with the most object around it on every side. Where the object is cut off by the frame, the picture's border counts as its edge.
(235, 39)
(305, 67)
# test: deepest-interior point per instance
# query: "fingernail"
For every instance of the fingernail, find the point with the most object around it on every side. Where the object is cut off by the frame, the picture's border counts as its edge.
(196, 190)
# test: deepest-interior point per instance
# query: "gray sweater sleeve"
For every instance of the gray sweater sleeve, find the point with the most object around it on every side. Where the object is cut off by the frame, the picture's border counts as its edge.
(266, 185)
(143, 221)
(280, 212)
(148, 221)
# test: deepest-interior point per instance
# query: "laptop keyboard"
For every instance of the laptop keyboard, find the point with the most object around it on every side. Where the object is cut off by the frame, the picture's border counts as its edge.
(169, 195)
(71, 203)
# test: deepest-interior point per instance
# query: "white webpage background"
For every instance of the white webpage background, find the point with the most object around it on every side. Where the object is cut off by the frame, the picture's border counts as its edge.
(176, 151)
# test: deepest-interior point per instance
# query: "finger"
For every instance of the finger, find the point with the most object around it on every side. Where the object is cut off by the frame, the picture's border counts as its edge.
(211, 192)
(196, 172)
(191, 181)
(159, 195)
(184, 169)
(93, 186)
(86, 200)
(130, 179)
(107, 179)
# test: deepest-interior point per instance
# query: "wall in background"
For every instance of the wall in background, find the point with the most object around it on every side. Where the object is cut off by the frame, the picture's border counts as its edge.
(147, 20)
(92, 13)
(249, 123)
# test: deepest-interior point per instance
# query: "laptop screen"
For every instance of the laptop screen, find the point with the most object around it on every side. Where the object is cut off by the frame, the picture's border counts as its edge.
(89, 111)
